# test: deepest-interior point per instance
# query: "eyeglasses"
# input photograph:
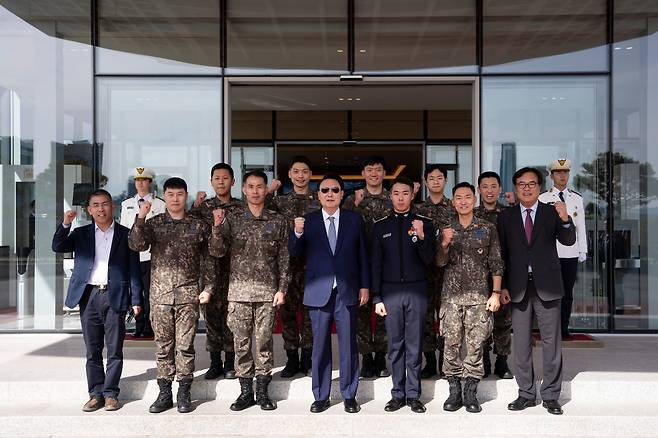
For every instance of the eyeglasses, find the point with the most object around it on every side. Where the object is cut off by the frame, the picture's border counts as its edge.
(101, 204)
(529, 185)
(325, 190)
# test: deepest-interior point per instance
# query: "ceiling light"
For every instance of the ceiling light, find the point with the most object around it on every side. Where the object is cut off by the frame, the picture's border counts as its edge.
(358, 98)
(340, 50)
(341, 98)
(553, 98)
(617, 48)
(629, 47)
(362, 50)
(349, 98)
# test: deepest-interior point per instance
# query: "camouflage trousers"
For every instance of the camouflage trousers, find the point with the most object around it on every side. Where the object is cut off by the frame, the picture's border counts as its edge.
(246, 319)
(501, 337)
(432, 341)
(218, 336)
(369, 341)
(294, 335)
(174, 327)
(469, 325)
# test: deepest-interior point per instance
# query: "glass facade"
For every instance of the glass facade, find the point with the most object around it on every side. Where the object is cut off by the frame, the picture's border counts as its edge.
(97, 87)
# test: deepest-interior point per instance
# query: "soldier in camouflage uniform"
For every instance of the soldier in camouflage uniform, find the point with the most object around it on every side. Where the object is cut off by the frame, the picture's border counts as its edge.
(489, 208)
(372, 203)
(470, 251)
(296, 203)
(179, 261)
(440, 210)
(257, 242)
(218, 336)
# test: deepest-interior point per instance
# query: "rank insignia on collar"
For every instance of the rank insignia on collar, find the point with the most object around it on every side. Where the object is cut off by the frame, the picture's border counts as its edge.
(480, 250)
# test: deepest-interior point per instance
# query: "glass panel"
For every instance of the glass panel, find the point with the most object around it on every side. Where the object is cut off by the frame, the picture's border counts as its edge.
(172, 126)
(287, 35)
(415, 36)
(544, 36)
(635, 161)
(450, 124)
(45, 154)
(457, 159)
(383, 125)
(311, 125)
(158, 36)
(251, 125)
(248, 157)
(533, 121)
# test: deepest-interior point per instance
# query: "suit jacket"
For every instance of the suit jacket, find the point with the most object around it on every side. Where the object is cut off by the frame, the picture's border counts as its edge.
(349, 265)
(124, 277)
(541, 253)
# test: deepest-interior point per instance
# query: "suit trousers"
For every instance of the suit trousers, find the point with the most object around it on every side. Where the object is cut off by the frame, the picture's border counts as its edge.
(102, 327)
(548, 319)
(143, 320)
(569, 271)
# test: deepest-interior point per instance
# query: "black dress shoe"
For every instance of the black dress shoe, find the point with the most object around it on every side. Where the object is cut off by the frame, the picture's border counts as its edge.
(521, 403)
(416, 405)
(394, 404)
(320, 406)
(553, 407)
(351, 406)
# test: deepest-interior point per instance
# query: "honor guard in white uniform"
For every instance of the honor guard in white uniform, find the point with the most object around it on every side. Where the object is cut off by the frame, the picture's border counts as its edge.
(129, 208)
(570, 256)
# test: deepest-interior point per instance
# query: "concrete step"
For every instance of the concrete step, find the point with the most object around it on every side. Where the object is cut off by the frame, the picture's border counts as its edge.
(292, 419)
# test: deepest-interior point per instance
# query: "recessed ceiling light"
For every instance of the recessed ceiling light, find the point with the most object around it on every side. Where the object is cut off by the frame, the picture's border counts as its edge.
(341, 98)
(629, 47)
(358, 98)
(362, 50)
(340, 50)
(349, 98)
(617, 48)
(553, 98)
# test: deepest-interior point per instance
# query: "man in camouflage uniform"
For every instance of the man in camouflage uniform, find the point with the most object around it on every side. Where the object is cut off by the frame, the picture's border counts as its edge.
(218, 336)
(299, 201)
(179, 261)
(438, 208)
(373, 203)
(489, 208)
(257, 242)
(470, 251)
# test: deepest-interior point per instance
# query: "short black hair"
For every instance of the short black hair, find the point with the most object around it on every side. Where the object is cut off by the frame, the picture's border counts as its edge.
(372, 160)
(335, 177)
(521, 171)
(488, 174)
(222, 166)
(257, 173)
(462, 185)
(403, 180)
(432, 167)
(299, 159)
(174, 183)
(98, 192)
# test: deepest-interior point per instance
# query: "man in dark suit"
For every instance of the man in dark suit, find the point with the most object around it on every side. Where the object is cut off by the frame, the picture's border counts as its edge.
(336, 284)
(533, 278)
(106, 282)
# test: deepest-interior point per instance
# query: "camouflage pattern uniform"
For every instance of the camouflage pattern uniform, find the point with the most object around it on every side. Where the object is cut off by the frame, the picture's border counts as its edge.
(442, 214)
(472, 256)
(179, 261)
(502, 331)
(372, 208)
(218, 336)
(258, 250)
(292, 205)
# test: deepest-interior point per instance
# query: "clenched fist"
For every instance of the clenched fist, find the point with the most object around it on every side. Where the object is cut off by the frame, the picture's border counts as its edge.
(447, 234)
(509, 198)
(144, 209)
(561, 209)
(418, 227)
(274, 186)
(204, 298)
(416, 187)
(358, 196)
(200, 197)
(218, 215)
(299, 225)
(69, 216)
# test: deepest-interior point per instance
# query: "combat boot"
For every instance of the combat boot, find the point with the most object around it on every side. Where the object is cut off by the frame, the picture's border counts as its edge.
(380, 365)
(262, 394)
(165, 400)
(229, 365)
(367, 366)
(246, 397)
(486, 360)
(305, 360)
(430, 365)
(216, 368)
(470, 395)
(501, 369)
(184, 398)
(454, 400)
(292, 366)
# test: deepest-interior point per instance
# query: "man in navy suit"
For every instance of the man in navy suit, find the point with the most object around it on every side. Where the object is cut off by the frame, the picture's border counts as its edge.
(336, 284)
(106, 282)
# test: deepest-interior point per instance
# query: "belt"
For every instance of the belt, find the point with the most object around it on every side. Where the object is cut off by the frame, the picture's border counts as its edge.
(98, 286)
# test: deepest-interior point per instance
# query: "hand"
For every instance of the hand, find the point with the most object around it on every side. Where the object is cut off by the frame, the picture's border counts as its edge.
(582, 257)
(204, 298)
(416, 187)
(200, 197)
(69, 216)
(418, 227)
(493, 303)
(358, 196)
(144, 208)
(509, 198)
(448, 234)
(505, 297)
(561, 209)
(363, 296)
(380, 309)
(137, 310)
(279, 299)
(218, 215)
(274, 186)
(299, 225)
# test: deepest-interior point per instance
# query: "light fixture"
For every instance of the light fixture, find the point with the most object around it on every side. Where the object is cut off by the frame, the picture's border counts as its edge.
(617, 48)
(553, 98)
(341, 98)
(340, 50)
(358, 98)
(629, 48)
(362, 50)
(349, 98)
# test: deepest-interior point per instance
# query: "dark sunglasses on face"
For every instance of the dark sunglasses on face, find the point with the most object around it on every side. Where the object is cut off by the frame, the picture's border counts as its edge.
(325, 190)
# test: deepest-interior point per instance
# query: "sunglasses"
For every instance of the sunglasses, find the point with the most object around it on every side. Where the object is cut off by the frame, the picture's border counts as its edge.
(325, 190)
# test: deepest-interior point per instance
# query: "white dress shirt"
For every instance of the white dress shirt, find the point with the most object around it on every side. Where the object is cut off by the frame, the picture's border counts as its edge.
(102, 255)
(129, 210)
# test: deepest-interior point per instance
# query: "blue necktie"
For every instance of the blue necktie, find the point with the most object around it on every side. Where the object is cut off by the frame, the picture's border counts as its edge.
(332, 234)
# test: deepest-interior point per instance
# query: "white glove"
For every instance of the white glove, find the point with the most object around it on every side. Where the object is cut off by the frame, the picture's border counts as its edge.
(582, 257)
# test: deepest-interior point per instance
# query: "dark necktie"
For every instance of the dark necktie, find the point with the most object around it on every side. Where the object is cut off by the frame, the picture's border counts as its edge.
(140, 200)
(332, 234)
(561, 195)
(528, 225)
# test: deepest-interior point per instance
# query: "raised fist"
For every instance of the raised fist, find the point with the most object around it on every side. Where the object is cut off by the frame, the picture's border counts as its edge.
(448, 234)
(274, 186)
(418, 227)
(358, 196)
(200, 197)
(299, 225)
(69, 216)
(561, 209)
(218, 215)
(416, 187)
(144, 209)
(509, 198)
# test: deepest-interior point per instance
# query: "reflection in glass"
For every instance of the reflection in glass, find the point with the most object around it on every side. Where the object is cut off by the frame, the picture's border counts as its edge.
(247, 157)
